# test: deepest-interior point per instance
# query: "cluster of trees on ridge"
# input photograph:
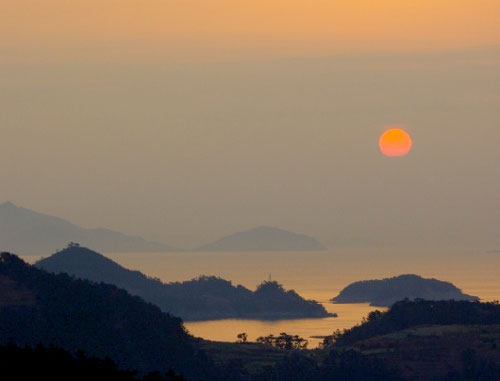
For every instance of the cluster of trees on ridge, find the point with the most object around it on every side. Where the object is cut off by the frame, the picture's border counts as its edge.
(284, 341)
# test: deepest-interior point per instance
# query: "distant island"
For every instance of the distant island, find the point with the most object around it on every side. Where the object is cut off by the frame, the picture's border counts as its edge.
(264, 238)
(27, 232)
(203, 298)
(386, 292)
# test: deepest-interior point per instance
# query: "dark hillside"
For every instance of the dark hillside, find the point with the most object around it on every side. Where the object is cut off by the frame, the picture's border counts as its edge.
(406, 314)
(56, 364)
(99, 319)
(437, 352)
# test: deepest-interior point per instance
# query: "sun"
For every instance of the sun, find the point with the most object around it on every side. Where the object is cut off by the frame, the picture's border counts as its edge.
(395, 142)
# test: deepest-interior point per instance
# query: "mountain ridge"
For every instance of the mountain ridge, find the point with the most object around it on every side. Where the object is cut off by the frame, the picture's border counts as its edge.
(264, 238)
(29, 232)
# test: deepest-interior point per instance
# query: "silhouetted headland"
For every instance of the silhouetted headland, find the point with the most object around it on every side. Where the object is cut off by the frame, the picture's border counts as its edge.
(264, 238)
(203, 298)
(386, 292)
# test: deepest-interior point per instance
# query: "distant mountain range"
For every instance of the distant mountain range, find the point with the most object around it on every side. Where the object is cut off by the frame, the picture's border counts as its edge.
(204, 298)
(264, 238)
(27, 232)
(386, 292)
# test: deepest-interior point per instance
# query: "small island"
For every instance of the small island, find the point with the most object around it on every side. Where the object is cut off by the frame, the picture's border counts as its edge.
(264, 238)
(385, 292)
(202, 298)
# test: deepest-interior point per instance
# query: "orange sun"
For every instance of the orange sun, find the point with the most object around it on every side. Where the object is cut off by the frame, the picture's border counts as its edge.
(395, 142)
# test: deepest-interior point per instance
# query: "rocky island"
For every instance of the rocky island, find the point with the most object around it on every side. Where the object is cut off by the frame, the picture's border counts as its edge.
(386, 292)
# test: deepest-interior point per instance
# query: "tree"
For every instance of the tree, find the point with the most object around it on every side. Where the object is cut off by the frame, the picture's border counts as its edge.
(284, 341)
(242, 337)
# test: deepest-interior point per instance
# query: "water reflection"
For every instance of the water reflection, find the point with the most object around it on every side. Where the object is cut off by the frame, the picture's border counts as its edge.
(227, 329)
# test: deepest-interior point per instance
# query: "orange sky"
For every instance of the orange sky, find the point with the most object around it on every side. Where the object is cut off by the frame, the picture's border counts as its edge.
(105, 132)
(220, 29)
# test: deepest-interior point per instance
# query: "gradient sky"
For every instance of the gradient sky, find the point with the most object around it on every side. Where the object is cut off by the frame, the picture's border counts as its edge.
(185, 120)
(76, 30)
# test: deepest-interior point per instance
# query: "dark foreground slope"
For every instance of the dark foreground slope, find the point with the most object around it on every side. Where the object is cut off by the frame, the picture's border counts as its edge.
(57, 364)
(203, 298)
(437, 352)
(406, 314)
(421, 340)
(102, 320)
(386, 292)
(428, 340)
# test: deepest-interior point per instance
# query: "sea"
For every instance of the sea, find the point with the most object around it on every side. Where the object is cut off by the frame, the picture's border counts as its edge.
(318, 275)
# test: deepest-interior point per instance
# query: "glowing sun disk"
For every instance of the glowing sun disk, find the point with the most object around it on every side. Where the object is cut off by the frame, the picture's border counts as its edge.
(395, 142)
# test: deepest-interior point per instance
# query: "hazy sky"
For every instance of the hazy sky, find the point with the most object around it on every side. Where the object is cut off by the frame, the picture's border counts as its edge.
(99, 30)
(185, 120)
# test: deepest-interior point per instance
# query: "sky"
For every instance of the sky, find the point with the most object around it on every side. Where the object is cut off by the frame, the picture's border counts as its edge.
(182, 121)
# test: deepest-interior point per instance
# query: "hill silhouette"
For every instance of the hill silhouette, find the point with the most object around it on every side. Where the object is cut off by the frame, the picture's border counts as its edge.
(57, 364)
(264, 238)
(406, 314)
(413, 340)
(386, 292)
(28, 232)
(100, 319)
(203, 298)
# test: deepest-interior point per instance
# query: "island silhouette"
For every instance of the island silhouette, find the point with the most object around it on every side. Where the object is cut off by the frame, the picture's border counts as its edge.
(264, 238)
(385, 292)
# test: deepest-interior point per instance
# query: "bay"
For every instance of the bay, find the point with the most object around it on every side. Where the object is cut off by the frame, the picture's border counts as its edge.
(318, 275)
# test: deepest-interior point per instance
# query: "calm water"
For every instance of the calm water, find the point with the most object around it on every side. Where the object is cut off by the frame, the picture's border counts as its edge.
(316, 275)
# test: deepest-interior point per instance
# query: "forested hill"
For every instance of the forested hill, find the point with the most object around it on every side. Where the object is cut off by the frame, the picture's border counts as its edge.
(386, 292)
(100, 319)
(203, 298)
(406, 314)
